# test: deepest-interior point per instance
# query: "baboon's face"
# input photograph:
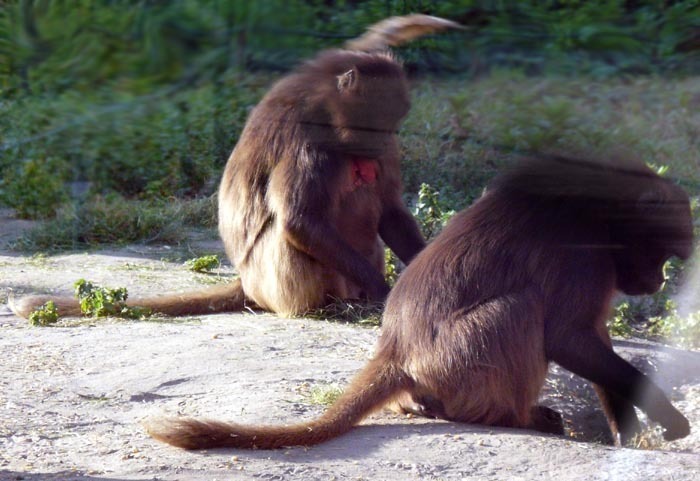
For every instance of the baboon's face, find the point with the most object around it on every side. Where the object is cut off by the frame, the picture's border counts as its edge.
(661, 228)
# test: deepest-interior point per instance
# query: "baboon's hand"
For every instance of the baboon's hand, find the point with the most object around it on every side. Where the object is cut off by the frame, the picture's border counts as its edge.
(677, 426)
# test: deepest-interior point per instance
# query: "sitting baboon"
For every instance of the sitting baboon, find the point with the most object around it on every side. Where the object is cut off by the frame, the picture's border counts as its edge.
(522, 278)
(313, 186)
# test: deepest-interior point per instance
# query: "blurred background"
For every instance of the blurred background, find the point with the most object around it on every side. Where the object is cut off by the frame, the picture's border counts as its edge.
(116, 117)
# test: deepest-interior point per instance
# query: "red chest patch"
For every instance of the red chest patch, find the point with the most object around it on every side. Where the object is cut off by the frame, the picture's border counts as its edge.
(362, 171)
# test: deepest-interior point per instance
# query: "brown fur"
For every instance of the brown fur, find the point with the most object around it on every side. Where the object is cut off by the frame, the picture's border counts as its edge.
(399, 30)
(522, 278)
(313, 186)
(372, 388)
(297, 219)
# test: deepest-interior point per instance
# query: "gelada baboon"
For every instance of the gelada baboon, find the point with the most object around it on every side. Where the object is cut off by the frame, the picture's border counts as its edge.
(313, 186)
(522, 278)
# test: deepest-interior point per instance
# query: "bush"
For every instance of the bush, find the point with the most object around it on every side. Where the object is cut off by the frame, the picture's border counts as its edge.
(203, 264)
(148, 147)
(51, 47)
(33, 189)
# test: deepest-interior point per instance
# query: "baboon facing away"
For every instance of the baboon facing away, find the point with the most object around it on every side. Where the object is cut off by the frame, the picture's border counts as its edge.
(313, 186)
(522, 278)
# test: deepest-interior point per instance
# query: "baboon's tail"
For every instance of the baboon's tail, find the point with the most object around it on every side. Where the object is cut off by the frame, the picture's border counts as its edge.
(222, 298)
(371, 389)
(395, 31)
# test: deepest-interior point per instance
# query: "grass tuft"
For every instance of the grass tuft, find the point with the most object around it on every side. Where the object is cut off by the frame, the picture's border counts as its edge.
(115, 220)
(366, 314)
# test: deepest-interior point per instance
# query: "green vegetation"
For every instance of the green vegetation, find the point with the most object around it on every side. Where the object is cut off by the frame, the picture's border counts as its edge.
(460, 134)
(203, 264)
(619, 324)
(45, 315)
(141, 148)
(392, 267)
(325, 395)
(680, 330)
(34, 190)
(112, 219)
(96, 301)
(432, 211)
(83, 44)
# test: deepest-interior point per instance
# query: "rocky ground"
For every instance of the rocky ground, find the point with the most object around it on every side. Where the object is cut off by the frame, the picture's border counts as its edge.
(73, 397)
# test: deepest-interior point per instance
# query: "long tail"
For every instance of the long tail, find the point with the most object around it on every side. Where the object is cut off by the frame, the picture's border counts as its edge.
(395, 31)
(371, 389)
(222, 298)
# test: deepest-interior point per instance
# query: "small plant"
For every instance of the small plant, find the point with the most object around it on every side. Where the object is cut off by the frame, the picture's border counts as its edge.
(204, 263)
(392, 267)
(45, 315)
(431, 211)
(96, 301)
(619, 323)
(325, 395)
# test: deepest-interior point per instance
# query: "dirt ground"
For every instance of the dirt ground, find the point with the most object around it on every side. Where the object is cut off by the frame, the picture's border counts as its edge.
(72, 397)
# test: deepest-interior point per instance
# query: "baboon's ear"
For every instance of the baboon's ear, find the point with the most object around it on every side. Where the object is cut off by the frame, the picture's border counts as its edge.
(348, 80)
